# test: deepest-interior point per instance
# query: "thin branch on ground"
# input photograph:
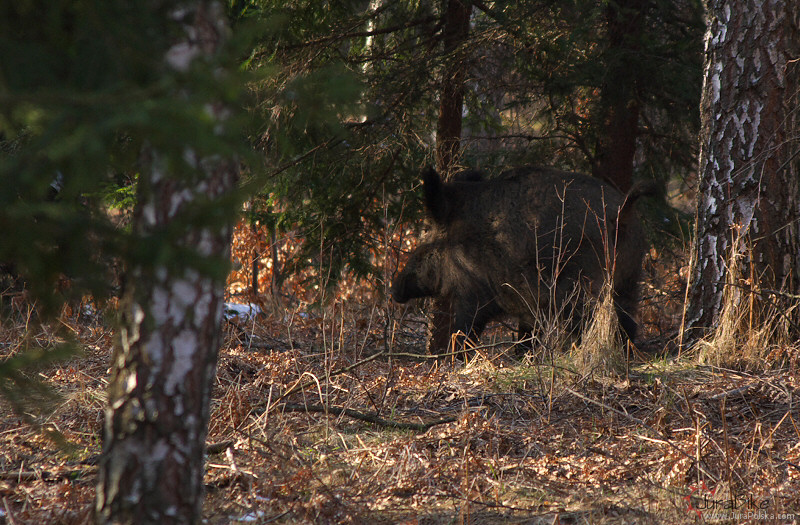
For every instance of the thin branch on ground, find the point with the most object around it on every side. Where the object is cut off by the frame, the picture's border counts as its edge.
(363, 416)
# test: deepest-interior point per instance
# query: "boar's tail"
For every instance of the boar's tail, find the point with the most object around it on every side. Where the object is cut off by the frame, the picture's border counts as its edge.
(646, 188)
(640, 189)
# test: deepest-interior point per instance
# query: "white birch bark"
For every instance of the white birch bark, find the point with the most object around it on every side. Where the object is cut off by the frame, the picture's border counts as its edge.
(747, 208)
(163, 367)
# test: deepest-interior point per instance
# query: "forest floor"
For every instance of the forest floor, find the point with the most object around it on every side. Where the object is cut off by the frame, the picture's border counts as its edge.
(313, 422)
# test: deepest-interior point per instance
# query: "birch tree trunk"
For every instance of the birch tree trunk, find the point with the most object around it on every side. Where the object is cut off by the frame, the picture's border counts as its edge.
(163, 367)
(749, 202)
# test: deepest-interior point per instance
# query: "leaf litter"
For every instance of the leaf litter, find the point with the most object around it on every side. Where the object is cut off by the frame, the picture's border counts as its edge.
(509, 441)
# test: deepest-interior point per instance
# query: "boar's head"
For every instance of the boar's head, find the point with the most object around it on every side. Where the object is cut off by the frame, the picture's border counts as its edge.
(421, 276)
(447, 261)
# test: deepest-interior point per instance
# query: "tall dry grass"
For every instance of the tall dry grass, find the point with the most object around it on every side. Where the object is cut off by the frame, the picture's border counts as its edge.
(600, 351)
(755, 330)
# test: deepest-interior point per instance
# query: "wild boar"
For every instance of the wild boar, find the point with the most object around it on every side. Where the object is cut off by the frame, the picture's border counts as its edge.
(530, 240)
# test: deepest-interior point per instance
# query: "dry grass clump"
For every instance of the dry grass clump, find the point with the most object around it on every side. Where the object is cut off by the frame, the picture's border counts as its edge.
(756, 330)
(600, 350)
(736, 344)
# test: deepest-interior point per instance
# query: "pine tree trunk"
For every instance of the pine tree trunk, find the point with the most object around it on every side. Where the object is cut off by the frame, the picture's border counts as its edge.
(451, 99)
(448, 139)
(619, 98)
(749, 201)
(164, 364)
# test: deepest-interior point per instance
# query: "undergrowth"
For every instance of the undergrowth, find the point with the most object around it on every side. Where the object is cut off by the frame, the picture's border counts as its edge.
(324, 416)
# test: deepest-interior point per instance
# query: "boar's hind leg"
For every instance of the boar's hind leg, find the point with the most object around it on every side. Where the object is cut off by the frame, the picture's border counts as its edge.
(471, 327)
(524, 343)
(626, 323)
(625, 304)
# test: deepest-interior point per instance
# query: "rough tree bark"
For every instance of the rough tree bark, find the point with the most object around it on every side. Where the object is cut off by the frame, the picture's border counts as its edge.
(749, 200)
(451, 98)
(163, 367)
(619, 102)
(448, 140)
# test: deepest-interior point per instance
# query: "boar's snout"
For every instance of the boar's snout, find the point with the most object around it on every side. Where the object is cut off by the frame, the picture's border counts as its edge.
(399, 289)
(421, 275)
(406, 286)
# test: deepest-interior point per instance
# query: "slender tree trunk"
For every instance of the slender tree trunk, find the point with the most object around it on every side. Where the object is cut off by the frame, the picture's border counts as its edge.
(276, 276)
(164, 365)
(749, 201)
(255, 265)
(619, 98)
(448, 139)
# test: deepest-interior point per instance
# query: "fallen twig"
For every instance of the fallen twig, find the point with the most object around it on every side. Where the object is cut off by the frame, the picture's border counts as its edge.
(728, 393)
(297, 387)
(44, 475)
(370, 418)
(216, 448)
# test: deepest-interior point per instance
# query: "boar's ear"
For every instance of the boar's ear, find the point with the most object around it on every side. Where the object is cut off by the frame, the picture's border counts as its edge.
(435, 200)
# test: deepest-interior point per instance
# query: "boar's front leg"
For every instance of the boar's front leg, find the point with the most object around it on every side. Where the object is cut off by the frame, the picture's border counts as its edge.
(471, 317)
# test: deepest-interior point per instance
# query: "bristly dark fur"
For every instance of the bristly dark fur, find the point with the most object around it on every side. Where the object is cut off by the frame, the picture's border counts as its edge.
(530, 240)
